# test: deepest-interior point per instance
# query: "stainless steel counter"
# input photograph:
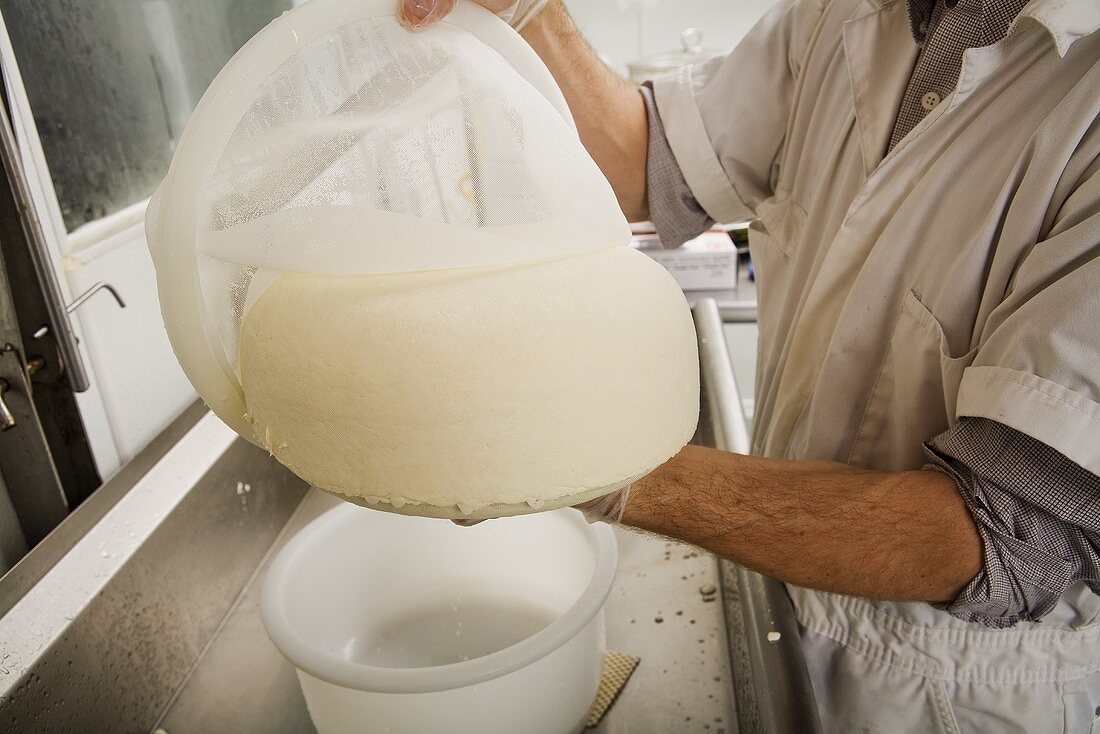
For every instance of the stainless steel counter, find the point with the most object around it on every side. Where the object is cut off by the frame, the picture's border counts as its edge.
(148, 616)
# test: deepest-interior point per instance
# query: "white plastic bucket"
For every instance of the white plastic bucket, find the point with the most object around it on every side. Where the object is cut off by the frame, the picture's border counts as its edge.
(407, 624)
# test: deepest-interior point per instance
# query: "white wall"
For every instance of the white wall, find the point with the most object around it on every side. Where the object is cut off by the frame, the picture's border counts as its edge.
(626, 30)
(140, 383)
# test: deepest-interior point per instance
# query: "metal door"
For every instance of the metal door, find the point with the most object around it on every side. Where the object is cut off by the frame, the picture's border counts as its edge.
(45, 459)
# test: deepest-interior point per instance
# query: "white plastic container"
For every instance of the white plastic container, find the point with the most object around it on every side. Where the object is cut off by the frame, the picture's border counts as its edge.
(407, 624)
(708, 262)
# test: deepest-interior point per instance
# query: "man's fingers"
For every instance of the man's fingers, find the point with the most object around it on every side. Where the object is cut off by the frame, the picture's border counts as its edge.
(419, 14)
(416, 12)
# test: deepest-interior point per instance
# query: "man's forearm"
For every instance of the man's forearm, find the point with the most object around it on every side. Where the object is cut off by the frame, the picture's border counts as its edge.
(609, 111)
(887, 535)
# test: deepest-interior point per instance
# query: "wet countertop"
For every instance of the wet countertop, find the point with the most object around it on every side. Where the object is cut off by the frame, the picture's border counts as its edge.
(657, 611)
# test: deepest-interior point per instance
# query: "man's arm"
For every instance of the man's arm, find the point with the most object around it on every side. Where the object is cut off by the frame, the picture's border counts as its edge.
(888, 535)
(609, 111)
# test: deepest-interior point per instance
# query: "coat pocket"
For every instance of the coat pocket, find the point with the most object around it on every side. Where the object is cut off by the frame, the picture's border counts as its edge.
(914, 395)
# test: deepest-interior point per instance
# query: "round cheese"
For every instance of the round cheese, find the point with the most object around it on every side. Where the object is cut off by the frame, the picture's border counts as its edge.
(474, 392)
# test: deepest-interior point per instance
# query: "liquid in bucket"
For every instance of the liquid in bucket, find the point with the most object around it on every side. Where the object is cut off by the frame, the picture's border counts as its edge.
(442, 633)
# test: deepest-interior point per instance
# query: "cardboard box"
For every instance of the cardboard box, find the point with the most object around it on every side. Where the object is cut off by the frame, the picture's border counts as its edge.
(706, 263)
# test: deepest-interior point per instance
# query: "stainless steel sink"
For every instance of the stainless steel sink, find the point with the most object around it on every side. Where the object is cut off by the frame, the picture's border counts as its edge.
(140, 612)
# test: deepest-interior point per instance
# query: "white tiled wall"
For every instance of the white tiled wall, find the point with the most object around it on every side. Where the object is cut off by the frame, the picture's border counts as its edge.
(140, 383)
(626, 30)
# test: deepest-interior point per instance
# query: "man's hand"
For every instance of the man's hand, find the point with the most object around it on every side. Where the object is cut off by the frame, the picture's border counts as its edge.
(419, 14)
(608, 508)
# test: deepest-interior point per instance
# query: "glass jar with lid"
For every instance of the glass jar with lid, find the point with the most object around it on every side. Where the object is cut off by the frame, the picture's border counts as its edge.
(691, 52)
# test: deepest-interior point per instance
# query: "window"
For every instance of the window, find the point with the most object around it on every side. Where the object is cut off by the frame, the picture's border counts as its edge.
(112, 83)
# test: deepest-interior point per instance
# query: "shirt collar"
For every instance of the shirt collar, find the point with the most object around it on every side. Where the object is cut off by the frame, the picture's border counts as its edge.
(1065, 20)
(919, 12)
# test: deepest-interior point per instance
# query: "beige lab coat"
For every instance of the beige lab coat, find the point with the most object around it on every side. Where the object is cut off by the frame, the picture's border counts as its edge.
(957, 276)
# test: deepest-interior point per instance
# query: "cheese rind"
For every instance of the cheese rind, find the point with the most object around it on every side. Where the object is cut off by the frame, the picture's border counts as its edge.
(455, 390)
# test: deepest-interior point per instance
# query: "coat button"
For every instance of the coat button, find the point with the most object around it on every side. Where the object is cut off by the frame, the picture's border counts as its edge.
(929, 101)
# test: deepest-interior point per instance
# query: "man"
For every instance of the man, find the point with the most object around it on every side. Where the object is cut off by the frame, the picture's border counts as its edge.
(924, 178)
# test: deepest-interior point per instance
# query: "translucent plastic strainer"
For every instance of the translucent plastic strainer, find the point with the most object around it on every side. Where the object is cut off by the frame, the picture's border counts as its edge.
(336, 142)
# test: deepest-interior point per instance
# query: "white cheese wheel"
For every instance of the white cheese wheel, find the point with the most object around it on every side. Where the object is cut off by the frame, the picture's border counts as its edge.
(476, 392)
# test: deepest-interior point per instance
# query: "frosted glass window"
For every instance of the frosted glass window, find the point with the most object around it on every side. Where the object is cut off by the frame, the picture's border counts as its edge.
(112, 83)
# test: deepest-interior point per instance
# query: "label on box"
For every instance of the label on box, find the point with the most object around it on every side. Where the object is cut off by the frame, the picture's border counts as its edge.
(708, 262)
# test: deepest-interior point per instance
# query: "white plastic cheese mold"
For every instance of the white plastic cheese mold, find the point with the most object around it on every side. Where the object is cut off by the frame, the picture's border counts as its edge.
(386, 257)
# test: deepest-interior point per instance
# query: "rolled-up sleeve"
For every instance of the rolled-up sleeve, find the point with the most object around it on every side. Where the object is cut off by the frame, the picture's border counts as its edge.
(1038, 366)
(673, 209)
(724, 120)
(1026, 449)
(1038, 515)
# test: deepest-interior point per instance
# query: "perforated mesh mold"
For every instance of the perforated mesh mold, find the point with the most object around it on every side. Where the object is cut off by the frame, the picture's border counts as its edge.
(337, 142)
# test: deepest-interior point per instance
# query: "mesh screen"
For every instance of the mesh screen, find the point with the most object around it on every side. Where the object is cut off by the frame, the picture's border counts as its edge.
(435, 126)
(370, 141)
